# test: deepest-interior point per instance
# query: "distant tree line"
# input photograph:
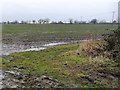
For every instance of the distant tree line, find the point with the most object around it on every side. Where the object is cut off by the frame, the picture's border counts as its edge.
(47, 21)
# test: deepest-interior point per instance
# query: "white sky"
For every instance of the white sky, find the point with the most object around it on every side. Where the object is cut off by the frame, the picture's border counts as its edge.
(58, 9)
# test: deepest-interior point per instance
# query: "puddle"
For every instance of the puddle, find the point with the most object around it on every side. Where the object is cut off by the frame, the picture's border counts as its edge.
(8, 49)
(4, 74)
(1, 74)
(34, 49)
(1, 77)
(6, 79)
(54, 44)
(12, 72)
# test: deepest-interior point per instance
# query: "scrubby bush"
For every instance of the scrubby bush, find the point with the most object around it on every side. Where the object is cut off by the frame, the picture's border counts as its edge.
(113, 44)
(113, 40)
(109, 47)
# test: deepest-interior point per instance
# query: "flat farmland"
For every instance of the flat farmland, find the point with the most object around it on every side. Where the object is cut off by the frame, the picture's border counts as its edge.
(24, 33)
(55, 67)
(16, 37)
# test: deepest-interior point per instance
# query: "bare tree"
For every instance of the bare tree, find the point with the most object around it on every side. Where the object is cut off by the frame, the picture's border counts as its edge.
(76, 22)
(94, 21)
(40, 21)
(15, 22)
(70, 20)
(47, 20)
(33, 21)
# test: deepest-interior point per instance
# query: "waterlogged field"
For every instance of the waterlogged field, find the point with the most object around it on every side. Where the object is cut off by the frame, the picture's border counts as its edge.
(19, 37)
(57, 66)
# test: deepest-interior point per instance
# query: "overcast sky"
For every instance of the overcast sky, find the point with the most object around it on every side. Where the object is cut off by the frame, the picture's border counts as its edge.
(58, 9)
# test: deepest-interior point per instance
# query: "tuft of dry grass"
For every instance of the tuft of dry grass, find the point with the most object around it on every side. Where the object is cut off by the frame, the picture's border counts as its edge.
(91, 48)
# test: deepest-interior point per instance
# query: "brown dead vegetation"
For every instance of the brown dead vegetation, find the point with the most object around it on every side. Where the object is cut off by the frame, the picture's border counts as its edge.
(91, 48)
(95, 48)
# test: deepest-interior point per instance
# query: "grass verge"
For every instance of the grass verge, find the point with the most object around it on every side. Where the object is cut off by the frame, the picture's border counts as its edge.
(62, 63)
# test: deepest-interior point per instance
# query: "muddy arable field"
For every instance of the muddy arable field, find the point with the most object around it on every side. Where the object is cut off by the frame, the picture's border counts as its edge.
(43, 56)
(24, 36)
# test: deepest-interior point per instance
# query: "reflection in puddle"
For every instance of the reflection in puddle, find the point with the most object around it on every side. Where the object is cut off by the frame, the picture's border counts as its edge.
(54, 44)
(1, 77)
(12, 72)
(8, 49)
(33, 49)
